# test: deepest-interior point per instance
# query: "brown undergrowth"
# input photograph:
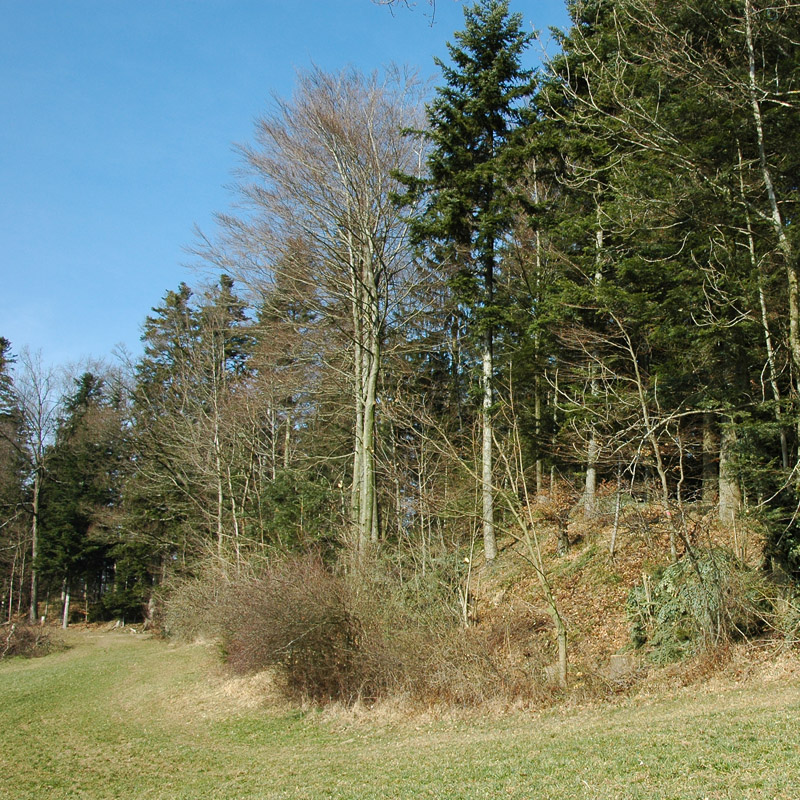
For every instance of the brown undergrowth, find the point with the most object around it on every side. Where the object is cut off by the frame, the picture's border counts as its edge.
(592, 588)
(359, 640)
(24, 640)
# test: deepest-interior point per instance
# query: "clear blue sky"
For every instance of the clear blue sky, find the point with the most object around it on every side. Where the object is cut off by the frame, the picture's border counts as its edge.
(117, 120)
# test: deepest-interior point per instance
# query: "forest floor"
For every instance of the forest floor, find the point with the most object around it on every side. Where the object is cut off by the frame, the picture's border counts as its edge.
(124, 715)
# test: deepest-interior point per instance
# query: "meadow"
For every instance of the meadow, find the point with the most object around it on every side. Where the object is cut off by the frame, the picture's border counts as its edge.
(121, 715)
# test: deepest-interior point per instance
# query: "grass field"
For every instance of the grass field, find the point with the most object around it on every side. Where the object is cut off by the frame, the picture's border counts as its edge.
(124, 716)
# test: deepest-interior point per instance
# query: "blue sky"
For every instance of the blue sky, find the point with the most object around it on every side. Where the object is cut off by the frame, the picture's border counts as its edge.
(117, 125)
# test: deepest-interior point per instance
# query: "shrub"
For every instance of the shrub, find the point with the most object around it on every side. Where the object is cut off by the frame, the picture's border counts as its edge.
(696, 602)
(363, 634)
(195, 607)
(785, 617)
(298, 618)
(29, 641)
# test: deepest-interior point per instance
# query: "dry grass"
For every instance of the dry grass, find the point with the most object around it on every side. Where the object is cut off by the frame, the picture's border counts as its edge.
(591, 589)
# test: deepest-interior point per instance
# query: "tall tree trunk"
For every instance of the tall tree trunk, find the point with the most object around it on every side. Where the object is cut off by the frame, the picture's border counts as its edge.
(33, 615)
(590, 489)
(220, 497)
(710, 455)
(593, 450)
(65, 613)
(537, 416)
(11, 586)
(358, 400)
(730, 498)
(776, 218)
(367, 360)
(487, 493)
(368, 523)
(287, 441)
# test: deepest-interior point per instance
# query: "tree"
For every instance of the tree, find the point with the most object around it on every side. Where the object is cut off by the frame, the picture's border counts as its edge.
(158, 495)
(196, 436)
(741, 60)
(82, 495)
(323, 230)
(474, 127)
(37, 395)
(13, 533)
(692, 102)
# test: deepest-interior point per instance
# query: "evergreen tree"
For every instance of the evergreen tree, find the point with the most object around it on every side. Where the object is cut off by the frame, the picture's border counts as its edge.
(198, 427)
(159, 495)
(474, 127)
(82, 493)
(13, 531)
(691, 102)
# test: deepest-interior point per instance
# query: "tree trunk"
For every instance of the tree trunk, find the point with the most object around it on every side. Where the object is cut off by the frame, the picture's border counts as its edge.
(563, 534)
(590, 490)
(356, 498)
(366, 372)
(220, 496)
(730, 499)
(710, 454)
(287, 441)
(537, 416)
(592, 453)
(369, 520)
(65, 613)
(487, 495)
(33, 615)
(561, 637)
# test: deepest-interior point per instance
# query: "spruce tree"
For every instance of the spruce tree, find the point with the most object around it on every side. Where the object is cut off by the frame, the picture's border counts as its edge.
(197, 424)
(159, 494)
(82, 493)
(13, 533)
(474, 127)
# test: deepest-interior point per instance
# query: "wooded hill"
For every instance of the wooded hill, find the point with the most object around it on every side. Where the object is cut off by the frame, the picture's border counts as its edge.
(499, 317)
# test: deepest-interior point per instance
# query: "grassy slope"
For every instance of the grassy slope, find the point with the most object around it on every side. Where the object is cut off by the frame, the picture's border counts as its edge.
(120, 716)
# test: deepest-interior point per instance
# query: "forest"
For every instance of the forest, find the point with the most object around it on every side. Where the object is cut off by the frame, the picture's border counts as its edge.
(449, 339)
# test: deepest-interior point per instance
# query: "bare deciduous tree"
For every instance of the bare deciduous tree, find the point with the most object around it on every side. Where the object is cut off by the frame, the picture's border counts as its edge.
(37, 390)
(321, 224)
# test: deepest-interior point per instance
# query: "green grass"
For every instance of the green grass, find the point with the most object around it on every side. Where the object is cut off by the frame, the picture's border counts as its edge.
(120, 716)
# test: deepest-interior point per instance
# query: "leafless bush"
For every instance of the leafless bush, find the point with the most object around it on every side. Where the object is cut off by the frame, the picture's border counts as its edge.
(29, 641)
(192, 608)
(356, 635)
(784, 617)
(298, 618)
(334, 637)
